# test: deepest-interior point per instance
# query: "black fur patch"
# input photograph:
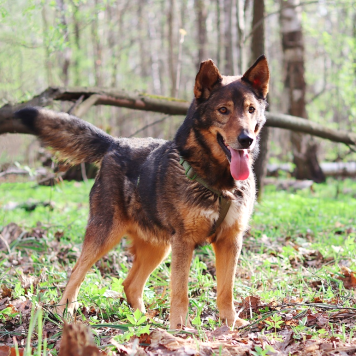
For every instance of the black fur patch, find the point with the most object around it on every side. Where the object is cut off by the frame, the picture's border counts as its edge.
(28, 118)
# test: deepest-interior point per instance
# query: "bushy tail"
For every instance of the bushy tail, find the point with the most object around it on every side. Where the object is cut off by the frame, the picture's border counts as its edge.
(76, 140)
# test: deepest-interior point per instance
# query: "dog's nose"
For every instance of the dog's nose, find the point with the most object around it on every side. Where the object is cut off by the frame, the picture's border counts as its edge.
(245, 140)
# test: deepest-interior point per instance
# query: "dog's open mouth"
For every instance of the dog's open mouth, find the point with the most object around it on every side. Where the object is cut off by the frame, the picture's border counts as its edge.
(239, 160)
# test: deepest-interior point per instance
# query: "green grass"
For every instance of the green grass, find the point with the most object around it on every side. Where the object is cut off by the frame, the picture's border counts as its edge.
(293, 252)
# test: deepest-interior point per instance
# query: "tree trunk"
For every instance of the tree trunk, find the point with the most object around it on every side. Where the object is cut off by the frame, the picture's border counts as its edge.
(66, 53)
(303, 146)
(76, 64)
(201, 15)
(229, 60)
(97, 49)
(142, 37)
(258, 48)
(240, 23)
(219, 33)
(171, 45)
(48, 64)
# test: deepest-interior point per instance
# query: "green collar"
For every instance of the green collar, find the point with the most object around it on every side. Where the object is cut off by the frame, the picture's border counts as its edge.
(224, 204)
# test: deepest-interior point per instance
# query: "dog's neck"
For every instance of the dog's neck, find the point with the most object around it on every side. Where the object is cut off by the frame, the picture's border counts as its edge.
(193, 145)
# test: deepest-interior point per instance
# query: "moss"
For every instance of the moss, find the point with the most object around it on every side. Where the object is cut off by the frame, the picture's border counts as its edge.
(160, 97)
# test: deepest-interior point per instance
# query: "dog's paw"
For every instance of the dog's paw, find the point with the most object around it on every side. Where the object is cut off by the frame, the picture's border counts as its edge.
(66, 310)
(238, 323)
(178, 324)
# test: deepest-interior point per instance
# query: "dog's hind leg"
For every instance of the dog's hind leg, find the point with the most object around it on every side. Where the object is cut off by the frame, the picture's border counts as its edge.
(147, 257)
(100, 238)
(227, 250)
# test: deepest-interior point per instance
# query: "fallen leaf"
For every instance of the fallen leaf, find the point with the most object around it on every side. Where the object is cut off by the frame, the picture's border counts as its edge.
(287, 338)
(317, 300)
(9, 234)
(349, 278)
(292, 322)
(145, 339)
(10, 351)
(6, 292)
(162, 337)
(220, 331)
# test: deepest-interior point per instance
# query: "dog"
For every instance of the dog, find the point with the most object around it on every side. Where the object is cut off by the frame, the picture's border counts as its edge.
(170, 195)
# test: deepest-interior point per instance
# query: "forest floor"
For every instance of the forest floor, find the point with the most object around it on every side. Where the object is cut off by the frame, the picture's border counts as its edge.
(296, 280)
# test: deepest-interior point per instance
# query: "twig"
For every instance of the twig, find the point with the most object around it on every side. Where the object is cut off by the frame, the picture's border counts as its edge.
(345, 349)
(53, 176)
(86, 105)
(16, 171)
(149, 125)
(76, 104)
(351, 148)
(84, 173)
(6, 244)
(318, 305)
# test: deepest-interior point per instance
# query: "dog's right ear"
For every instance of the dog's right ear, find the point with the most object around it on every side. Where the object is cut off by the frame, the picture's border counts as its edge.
(207, 77)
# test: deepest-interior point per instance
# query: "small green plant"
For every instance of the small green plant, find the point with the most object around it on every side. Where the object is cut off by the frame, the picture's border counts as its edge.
(136, 319)
(321, 333)
(7, 313)
(259, 351)
(275, 322)
(298, 332)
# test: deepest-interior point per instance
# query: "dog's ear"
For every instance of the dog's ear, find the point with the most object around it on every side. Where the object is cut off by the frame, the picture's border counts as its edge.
(207, 77)
(258, 76)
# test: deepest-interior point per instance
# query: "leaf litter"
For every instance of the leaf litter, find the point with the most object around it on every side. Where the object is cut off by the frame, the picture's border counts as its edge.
(320, 321)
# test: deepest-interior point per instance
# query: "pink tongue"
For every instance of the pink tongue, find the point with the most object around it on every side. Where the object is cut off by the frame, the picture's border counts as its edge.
(239, 167)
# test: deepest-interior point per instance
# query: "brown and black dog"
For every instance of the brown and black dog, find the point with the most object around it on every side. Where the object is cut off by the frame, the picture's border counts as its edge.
(142, 189)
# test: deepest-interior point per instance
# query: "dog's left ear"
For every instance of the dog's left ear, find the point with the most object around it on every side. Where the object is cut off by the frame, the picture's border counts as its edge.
(258, 76)
(207, 77)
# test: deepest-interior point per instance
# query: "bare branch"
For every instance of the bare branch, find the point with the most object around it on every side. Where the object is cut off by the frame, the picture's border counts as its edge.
(149, 125)
(302, 125)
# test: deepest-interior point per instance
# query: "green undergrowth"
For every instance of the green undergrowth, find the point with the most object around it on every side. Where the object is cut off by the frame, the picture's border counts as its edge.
(299, 250)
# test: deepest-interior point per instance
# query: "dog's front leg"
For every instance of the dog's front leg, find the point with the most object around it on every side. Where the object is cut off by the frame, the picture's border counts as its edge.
(227, 250)
(182, 252)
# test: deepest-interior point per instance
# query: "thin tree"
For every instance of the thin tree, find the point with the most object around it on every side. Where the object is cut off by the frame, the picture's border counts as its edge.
(303, 146)
(228, 43)
(67, 53)
(171, 45)
(201, 15)
(258, 48)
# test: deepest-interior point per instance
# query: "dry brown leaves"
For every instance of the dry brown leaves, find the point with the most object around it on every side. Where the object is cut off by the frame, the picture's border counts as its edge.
(10, 351)
(348, 278)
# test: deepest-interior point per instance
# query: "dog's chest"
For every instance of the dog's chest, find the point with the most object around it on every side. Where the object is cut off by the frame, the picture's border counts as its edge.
(233, 214)
(212, 215)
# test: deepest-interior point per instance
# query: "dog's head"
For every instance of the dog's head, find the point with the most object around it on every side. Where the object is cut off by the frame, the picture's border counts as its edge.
(231, 112)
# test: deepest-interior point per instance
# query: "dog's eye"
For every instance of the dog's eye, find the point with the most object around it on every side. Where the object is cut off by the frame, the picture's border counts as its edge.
(222, 110)
(251, 109)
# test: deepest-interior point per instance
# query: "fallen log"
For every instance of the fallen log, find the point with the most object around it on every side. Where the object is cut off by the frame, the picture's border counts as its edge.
(85, 98)
(330, 169)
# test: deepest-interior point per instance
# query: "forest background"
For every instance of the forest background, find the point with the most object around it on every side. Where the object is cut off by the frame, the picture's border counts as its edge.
(156, 46)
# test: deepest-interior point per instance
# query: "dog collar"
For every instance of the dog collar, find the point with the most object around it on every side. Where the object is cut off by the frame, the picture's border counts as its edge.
(224, 204)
